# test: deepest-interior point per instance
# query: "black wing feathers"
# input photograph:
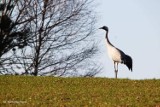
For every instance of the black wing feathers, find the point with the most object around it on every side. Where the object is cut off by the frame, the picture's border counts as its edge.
(126, 59)
(128, 62)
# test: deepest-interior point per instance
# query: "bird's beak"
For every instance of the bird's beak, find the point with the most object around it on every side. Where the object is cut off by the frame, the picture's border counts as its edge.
(100, 28)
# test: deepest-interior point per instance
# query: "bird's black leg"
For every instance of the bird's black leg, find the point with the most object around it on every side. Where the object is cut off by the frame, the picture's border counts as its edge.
(116, 70)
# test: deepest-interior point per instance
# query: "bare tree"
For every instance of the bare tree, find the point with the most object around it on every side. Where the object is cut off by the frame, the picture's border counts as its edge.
(10, 36)
(62, 36)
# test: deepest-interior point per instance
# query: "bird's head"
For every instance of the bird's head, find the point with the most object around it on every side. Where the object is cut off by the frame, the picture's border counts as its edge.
(104, 28)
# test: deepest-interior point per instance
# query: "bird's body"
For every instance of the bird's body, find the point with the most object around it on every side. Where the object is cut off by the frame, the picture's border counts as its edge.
(114, 53)
(117, 55)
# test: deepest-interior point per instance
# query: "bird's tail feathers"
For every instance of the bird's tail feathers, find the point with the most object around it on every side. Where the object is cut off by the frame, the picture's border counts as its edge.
(128, 62)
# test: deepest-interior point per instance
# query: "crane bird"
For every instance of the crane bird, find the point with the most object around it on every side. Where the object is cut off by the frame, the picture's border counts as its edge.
(116, 54)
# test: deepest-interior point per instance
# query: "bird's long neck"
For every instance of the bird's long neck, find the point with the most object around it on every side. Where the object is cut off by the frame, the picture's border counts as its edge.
(108, 42)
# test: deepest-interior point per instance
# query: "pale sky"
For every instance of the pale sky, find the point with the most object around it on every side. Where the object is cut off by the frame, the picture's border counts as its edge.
(134, 27)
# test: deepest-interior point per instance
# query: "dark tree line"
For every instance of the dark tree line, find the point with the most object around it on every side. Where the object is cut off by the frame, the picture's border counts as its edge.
(48, 37)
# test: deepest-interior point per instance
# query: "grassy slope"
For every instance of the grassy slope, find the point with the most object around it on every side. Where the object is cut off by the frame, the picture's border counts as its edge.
(75, 92)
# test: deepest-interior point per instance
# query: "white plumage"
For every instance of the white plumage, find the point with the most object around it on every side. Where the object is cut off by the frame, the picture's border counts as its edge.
(116, 54)
(113, 53)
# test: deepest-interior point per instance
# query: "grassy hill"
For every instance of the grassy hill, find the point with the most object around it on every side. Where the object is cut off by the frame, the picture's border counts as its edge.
(78, 92)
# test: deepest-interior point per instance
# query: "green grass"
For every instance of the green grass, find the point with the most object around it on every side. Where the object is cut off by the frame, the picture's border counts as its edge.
(78, 92)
